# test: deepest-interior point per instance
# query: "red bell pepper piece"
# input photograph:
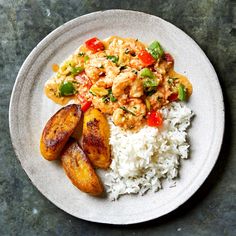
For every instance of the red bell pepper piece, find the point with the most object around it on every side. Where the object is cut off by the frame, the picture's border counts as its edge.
(173, 97)
(86, 106)
(154, 119)
(94, 44)
(146, 57)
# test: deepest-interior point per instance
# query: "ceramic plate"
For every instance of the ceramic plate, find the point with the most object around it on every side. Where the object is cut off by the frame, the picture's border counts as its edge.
(30, 109)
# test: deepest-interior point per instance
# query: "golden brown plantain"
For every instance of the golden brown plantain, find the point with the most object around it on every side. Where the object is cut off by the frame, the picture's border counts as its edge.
(95, 139)
(79, 169)
(58, 130)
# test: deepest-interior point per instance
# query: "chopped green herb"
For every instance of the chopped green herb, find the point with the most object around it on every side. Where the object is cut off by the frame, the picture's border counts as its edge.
(135, 72)
(109, 97)
(171, 80)
(148, 94)
(105, 99)
(76, 70)
(123, 67)
(92, 93)
(147, 73)
(126, 110)
(127, 51)
(81, 54)
(66, 89)
(76, 82)
(112, 98)
(101, 67)
(113, 58)
(156, 50)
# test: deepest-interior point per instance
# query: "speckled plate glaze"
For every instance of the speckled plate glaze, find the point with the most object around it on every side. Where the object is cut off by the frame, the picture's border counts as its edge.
(30, 109)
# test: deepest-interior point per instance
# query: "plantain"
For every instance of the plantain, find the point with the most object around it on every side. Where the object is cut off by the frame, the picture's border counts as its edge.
(80, 170)
(95, 138)
(58, 130)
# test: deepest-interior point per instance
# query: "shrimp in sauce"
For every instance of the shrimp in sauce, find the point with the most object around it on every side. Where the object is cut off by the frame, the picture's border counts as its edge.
(121, 77)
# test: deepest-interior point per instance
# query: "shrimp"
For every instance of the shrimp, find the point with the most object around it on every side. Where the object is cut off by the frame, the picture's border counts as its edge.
(127, 83)
(131, 115)
(95, 68)
(136, 63)
(93, 73)
(157, 100)
(105, 107)
(163, 67)
(104, 82)
(111, 70)
(136, 90)
(116, 44)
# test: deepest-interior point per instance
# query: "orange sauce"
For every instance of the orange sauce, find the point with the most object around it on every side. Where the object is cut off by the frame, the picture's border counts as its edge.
(183, 80)
(50, 89)
(59, 100)
(55, 67)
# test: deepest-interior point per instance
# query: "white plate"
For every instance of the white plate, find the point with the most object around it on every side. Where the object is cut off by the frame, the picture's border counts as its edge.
(30, 109)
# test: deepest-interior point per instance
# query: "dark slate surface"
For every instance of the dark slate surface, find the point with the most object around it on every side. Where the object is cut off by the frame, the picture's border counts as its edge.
(211, 211)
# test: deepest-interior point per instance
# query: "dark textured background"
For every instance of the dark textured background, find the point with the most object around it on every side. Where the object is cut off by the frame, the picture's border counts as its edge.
(211, 211)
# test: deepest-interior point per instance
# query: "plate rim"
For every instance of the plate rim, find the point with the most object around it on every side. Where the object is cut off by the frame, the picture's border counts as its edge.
(44, 42)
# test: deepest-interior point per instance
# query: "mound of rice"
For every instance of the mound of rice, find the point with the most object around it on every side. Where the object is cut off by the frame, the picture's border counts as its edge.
(142, 159)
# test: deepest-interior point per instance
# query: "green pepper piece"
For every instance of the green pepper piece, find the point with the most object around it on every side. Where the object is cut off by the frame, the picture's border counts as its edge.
(76, 70)
(86, 58)
(150, 83)
(156, 50)
(67, 89)
(181, 92)
(147, 73)
(113, 58)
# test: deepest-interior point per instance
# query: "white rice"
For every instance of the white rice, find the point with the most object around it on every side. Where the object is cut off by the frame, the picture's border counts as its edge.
(142, 159)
